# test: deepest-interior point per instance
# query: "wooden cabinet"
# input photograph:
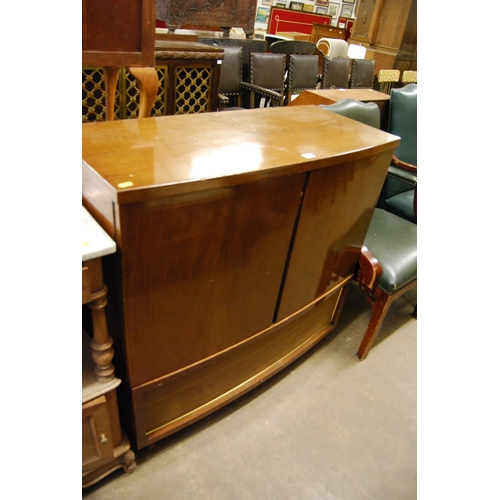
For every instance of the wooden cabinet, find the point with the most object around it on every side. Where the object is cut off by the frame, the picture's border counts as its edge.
(324, 31)
(115, 36)
(388, 29)
(121, 36)
(189, 74)
(224, 222)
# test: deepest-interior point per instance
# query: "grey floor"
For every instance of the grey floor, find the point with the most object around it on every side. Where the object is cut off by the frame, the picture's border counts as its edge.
(327, 427)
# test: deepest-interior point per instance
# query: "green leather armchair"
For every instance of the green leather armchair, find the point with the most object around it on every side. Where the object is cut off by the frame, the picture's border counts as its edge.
(387, 264)
(398, 192)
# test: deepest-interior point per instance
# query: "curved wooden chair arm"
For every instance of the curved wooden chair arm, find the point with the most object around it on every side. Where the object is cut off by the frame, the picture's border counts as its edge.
(396, 162)
(370, 271)
(263, 91)
(223, 101)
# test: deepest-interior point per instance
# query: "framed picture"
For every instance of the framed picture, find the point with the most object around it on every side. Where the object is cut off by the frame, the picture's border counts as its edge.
(323, 3)
(262, 15)
(296, 5)
(267, 2)
(348, 1)
(308, 8)
(321, 10)
(347, 11)
(281, 4)
(334, 10)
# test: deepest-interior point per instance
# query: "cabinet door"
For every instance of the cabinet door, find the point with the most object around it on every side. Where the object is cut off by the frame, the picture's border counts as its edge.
(97, 445)
(367, 18)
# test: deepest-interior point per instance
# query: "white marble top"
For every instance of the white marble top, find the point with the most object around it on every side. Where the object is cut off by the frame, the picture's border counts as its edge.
(95, 241)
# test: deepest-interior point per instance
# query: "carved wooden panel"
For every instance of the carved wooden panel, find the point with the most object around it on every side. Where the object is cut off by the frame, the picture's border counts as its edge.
(223, 13)
(365, 26)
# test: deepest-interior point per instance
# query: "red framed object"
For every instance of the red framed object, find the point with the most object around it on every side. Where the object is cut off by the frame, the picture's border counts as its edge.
(286, 20)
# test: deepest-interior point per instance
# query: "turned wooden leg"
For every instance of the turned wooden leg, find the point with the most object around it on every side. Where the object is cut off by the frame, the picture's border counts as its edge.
(102, 343)
(110, 81)
(379, 310)
(147, 81)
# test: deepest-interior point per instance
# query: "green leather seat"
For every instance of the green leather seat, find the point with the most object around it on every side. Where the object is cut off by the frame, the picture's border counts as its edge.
(393, 241)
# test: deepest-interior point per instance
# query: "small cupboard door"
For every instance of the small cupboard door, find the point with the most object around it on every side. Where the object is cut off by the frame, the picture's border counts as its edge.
(97, 445)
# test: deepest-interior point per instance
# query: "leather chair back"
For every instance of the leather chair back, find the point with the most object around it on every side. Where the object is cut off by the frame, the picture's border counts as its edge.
(362, 74)
(403, 121)
(364, 112)
(303, 72)
(268, 70)
(231, 71)
(336, 73)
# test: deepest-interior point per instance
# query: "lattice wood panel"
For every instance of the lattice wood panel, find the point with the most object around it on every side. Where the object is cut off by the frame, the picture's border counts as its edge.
(192, 90)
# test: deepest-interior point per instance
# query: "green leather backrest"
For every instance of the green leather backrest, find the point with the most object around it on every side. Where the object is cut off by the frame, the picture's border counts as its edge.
(364, 112)
(403, 121)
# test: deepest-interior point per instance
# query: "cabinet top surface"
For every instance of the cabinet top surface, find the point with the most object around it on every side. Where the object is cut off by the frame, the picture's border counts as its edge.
(188, 153)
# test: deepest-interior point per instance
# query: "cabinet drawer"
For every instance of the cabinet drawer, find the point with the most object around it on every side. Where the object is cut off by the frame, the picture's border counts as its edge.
(97, 443)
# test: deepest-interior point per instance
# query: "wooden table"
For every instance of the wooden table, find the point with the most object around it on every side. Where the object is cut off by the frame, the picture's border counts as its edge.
(331, 96)
(223, 222)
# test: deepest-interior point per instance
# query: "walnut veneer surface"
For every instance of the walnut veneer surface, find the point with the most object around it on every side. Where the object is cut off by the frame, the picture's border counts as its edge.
(223, 222)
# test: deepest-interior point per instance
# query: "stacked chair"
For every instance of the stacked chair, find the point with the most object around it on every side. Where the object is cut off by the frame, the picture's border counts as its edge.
(387, 266)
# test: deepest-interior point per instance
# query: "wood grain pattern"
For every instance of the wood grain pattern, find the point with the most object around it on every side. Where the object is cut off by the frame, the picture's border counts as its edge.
(203, 271)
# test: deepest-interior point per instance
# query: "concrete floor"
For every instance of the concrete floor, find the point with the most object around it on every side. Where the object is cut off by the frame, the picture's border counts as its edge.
(327, 427)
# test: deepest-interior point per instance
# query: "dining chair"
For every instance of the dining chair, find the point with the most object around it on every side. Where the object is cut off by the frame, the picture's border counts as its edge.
(302, 74)
(362, 74)
(267, 79)
(336, 72)
(231, 75)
